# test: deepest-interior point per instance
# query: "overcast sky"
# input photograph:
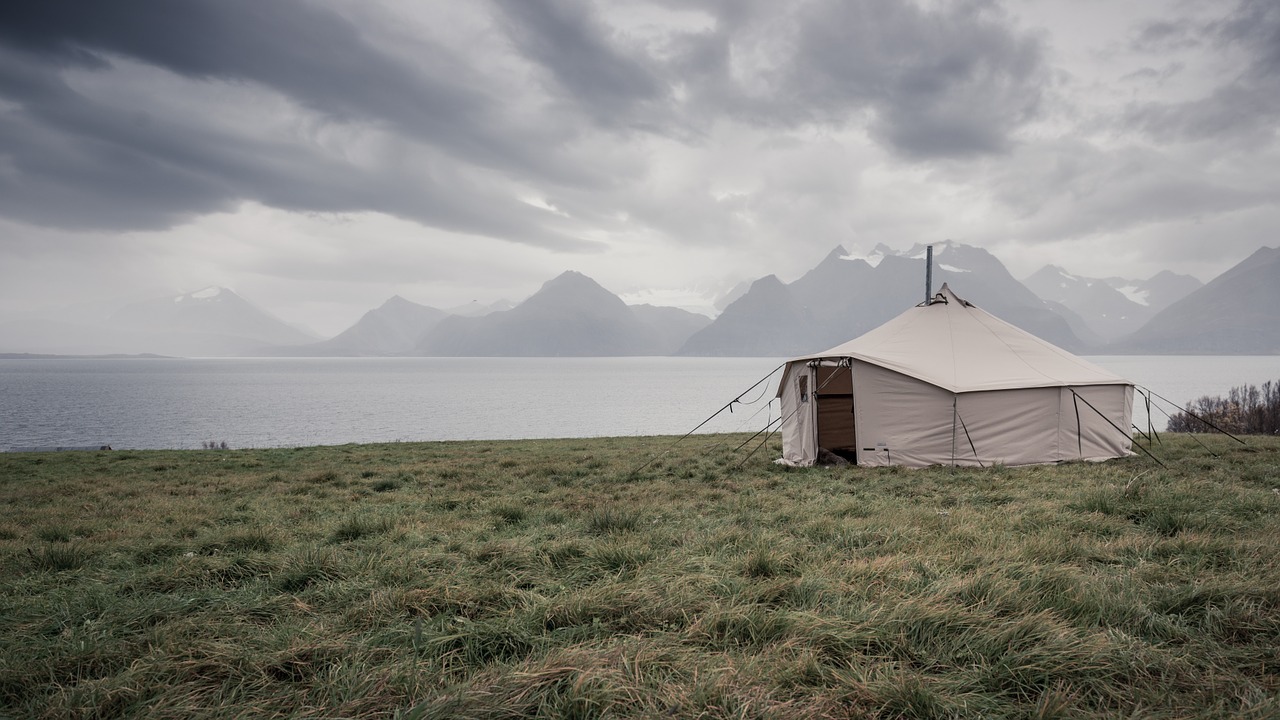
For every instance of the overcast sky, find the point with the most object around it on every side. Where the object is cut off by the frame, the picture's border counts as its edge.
(320, 156)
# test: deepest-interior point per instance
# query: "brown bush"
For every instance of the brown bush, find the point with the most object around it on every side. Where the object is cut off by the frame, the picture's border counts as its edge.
(1246, 410)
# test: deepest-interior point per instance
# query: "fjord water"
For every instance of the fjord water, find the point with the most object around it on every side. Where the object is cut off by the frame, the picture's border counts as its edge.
(281, 402)
(180, 403)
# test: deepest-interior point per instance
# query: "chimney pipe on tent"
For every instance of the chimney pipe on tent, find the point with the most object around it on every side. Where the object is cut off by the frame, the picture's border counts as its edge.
(928, 274)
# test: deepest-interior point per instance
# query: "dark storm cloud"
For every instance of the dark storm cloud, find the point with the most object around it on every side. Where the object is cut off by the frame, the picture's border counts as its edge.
(1243, 110)
(316, 57)
(75, 162)
(74, 165)
(1255, 26)
(1165, 35)
(949, 82)
(569, 40)
(83, 165)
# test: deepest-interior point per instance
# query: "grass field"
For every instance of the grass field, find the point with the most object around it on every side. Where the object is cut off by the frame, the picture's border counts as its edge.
(543, 578)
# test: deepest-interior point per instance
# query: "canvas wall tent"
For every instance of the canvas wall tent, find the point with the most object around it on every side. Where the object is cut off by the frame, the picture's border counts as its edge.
(946, 383)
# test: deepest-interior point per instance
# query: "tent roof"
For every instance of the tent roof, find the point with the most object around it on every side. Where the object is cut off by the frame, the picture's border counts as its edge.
(962, 348)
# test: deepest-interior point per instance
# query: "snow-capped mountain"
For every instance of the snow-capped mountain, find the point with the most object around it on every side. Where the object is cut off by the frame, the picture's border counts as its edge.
(1113, 307)
(213, 310)
(1157, 292)
(1108, 311)
(1236, 313)
(478, 309)
(214, 321)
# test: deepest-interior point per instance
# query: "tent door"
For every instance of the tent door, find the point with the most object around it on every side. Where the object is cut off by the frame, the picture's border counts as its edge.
(836, 429)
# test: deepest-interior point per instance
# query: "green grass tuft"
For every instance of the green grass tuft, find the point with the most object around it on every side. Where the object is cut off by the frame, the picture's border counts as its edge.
(510, 514)
(611, 519)
(356, 527)
(547, 579)
(57, 557)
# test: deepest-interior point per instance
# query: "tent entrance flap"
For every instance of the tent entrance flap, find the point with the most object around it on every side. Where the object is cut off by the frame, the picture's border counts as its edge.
(836, 428)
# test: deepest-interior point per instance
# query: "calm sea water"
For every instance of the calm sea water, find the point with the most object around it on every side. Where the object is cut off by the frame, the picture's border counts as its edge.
(180, 403)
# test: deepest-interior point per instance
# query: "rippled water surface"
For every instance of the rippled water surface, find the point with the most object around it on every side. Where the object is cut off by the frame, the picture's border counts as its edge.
(180, 403)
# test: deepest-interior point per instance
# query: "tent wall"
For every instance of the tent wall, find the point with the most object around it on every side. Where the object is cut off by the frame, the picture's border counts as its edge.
(1099, 440)
(905, 421)
(799, 415)
(1009, 427)
(900, 420)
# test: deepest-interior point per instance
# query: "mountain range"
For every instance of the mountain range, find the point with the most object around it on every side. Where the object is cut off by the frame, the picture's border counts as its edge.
(571, 315)
(1236, 313)
(840, 298)
(845, 296)
(213, 322)
(1113, 307)
(393, 328)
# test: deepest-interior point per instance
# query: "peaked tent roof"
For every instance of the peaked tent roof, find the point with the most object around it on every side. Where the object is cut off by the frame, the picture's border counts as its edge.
(959, 347)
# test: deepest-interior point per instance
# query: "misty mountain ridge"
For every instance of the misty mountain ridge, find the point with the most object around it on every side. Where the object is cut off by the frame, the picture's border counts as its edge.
(212, 322)
(841, 297)
(212, 310)
(1236, 313)
(393, 328)
(845, 295)
(1157, 292)
(571, 316)
(475, 308)
(1113, 307)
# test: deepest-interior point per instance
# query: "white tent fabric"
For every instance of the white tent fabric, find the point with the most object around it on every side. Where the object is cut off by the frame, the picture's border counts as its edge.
(948, 383)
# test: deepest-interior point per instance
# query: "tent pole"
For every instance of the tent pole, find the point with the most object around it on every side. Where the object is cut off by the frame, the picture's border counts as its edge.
(1151, 428)
(969, 438)
(928, 274)
(1075, 401)
(953, 430)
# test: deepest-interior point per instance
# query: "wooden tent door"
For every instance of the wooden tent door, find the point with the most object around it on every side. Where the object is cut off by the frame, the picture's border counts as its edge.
(836, 429)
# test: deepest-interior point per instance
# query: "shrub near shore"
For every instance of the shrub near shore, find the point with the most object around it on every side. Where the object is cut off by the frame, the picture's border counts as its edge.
(517, 579)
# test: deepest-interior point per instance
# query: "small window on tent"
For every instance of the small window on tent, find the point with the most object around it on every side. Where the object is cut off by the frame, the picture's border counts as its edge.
(804, 388)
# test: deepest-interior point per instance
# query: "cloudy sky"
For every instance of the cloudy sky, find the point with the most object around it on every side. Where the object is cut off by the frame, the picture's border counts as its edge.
(319, 156)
